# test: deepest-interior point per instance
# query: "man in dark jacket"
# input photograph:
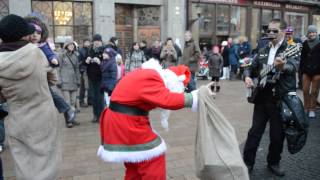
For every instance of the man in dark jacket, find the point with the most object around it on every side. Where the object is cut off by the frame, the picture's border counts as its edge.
(190, 58)
(85, 96)
(266, 105)
(114, 44)
(94, 75)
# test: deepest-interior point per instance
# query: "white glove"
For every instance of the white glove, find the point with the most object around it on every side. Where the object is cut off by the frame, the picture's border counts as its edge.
(194, 106)
(88, 60)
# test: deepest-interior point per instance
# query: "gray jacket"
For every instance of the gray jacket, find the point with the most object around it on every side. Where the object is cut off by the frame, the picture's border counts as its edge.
(69, 75)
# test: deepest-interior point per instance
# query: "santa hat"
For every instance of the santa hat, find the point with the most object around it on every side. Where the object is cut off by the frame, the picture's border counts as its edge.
(183, 73)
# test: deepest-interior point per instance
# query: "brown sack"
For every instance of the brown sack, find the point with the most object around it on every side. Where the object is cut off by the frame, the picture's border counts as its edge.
(217, 155)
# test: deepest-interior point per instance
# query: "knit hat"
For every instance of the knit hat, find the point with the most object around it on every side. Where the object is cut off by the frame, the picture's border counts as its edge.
(111, 52)
(224, 43)
(39, 21)
(312, 28)
(289, 30)
(13, 28)
(97, 37)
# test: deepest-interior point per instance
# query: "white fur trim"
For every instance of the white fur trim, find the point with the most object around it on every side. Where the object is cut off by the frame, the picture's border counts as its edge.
(194, 107)
(133, 157)
(182, 77)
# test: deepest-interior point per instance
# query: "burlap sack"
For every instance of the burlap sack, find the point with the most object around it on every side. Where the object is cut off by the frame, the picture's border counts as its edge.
(217, 155)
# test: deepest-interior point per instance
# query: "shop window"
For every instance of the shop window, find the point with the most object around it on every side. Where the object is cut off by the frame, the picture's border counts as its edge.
(299, 22)
(222, 20)
(66, 20)
(238, 21)
(266, 16)
(277, 14)
(255, 29)
(316, 21)
(4, 8)
(205, 22)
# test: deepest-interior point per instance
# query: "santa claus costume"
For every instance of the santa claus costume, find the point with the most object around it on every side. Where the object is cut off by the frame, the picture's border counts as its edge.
(126, 133)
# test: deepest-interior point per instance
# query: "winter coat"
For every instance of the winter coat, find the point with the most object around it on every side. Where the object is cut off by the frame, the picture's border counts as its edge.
(225, 55)
(93, 69)
(32, 124)
(191, 55)
(83, 54)
(244, 50)
(109, 74)
(168, 56)
(215, 62)
(234, 54)
(310, 63)
(69, 74)
(136, 58)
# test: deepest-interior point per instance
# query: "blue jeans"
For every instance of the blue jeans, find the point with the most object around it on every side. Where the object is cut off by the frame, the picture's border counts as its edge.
(59, 102)
(97, 97)
(192, 83)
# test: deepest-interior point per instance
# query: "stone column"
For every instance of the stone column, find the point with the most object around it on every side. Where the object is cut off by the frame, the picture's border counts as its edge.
(176, 20)
(20, 7)
(104, 18)
(135, 24)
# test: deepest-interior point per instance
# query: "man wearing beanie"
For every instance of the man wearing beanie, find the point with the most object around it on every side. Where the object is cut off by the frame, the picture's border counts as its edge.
(94, 76)
(32, 121)
(310, 69)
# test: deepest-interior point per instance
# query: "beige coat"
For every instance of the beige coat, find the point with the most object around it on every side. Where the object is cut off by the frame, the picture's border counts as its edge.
(32, 124)
(217, 153)
(191, 55)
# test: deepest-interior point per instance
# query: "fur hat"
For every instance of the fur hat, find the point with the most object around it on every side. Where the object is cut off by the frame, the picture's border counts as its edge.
(312, 28)
(37, 21)
(69, 41)
(97, 37)
(13, 28)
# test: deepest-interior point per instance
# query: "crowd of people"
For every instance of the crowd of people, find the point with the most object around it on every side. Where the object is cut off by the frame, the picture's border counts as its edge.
(35, 80)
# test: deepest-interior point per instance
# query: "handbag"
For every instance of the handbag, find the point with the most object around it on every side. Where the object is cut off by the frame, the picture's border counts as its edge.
(295, 122)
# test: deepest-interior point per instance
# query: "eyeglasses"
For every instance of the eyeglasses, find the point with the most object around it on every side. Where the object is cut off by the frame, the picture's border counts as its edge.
(275, 31)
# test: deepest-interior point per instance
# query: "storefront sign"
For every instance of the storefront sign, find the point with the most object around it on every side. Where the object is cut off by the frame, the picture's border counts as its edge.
(296, 7)
(267, 4)
(226, 1)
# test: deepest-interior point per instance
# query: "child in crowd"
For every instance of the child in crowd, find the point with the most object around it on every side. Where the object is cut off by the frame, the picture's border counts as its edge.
(39, 37)
(108, 68)
(120, 67)
(215, 61)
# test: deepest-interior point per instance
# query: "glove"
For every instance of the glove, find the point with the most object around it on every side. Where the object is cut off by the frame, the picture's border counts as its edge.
(194, 93)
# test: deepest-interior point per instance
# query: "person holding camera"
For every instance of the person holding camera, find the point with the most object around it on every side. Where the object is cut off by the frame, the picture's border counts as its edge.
(93, 62)
(168, 54)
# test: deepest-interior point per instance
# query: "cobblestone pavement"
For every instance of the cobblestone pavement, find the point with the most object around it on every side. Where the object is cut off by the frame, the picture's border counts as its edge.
(80, 144)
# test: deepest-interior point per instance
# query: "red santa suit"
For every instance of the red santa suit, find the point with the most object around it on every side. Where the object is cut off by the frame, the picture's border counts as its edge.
(125, 129)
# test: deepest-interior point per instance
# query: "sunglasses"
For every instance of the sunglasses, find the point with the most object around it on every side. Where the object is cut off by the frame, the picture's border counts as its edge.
(275, 31)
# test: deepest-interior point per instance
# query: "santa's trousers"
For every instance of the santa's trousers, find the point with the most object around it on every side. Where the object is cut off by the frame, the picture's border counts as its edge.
(154, 169)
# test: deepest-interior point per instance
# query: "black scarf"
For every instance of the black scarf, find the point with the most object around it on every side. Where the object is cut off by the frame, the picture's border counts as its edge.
(12, 46)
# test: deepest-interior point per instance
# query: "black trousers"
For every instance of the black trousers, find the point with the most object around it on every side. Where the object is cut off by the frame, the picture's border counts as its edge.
(263, 113)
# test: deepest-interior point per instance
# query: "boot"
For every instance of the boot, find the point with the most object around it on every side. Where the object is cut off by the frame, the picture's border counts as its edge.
(276, 170)
(212, 88)
(218, 89)
(69, 117)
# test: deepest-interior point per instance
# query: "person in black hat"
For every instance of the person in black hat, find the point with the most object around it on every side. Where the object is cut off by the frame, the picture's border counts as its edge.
(114, 44)
(94, 75)
(32, 120)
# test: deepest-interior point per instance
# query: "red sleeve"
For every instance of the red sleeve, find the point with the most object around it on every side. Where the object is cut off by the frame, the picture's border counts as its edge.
(155, 93)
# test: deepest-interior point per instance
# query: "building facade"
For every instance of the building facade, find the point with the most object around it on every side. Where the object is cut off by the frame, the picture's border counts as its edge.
(129, 20)
(213, 21)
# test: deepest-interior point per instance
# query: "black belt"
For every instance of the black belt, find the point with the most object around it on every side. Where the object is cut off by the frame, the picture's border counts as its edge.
(127, 109)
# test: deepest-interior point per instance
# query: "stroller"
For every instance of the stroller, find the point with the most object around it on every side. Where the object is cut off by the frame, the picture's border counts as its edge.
(203, 68)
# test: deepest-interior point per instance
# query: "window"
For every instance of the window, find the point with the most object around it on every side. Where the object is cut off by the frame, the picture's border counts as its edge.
(316, 21)
(299, 22)
(66, 19)
(255, 29)
(4, 8)
(205, 22)
(222, 20)
(266, 16)
(277, 14)
(238, 21)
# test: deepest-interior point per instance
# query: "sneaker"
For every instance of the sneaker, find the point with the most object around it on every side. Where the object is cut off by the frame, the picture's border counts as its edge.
(312, 114)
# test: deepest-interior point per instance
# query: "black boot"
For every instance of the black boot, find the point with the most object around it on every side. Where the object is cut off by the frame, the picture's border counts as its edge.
(218, 89)
(276, 170)
(212, 88)
(69, 117)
